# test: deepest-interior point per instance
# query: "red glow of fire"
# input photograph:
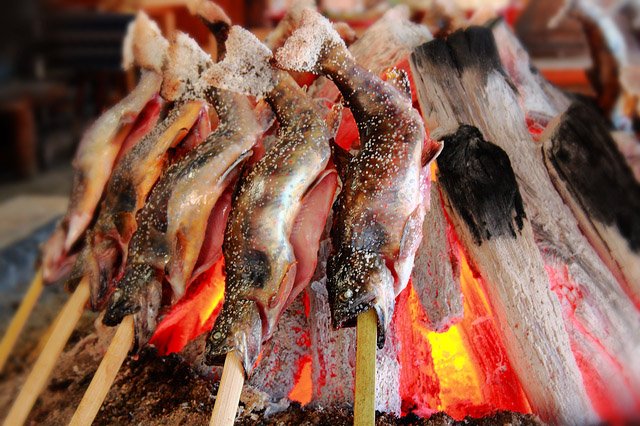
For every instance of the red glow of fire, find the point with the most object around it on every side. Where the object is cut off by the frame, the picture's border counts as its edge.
(569, 293)
(194, 314)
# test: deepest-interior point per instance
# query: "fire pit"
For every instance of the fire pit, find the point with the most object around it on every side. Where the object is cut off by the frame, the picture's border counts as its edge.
(521, 301)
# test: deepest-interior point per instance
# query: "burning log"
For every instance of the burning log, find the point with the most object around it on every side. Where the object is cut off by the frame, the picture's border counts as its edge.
(540, 100)
(460, 80)
(483, 200)
(597, 184)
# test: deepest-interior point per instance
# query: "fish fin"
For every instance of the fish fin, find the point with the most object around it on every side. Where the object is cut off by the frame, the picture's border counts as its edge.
(334, 118)
(431, 150)
(399, 79)
(341, 158)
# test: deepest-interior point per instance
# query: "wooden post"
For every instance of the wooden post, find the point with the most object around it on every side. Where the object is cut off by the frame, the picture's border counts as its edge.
(364, 410)
(39, 376)
(20, 318)
(105, 375)
(228, 398)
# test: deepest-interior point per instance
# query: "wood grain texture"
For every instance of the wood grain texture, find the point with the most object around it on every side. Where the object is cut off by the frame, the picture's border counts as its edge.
(105, 375)
(226, 405)
(364, 410)
(39, 375)
(20, 318)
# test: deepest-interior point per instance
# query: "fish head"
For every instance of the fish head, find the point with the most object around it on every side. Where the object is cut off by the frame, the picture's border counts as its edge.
(238, 328)
(138, 293)
(359, 280)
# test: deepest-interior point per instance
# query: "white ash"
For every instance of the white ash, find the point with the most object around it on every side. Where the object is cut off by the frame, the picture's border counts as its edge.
(183, 71)
(302, 51)
(144, 45)
(281, 355)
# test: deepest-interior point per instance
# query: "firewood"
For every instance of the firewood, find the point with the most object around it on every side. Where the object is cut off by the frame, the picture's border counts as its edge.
(364, 409)
(39, 375)
(105, 375)
(436, 275)
(597, 184)
(228, 397)
(483, 201)
(20, 318)
(540, 100)
(460, 81)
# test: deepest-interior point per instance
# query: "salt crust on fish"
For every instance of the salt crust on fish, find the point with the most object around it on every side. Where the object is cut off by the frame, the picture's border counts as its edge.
(185, 82)
(246, 67)
(302, 50)
(144, 45)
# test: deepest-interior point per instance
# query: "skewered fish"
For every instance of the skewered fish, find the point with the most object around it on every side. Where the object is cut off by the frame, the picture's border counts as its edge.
(173, 223)
(113, 134)
(379, 213)
(262, 257)
(103, 258)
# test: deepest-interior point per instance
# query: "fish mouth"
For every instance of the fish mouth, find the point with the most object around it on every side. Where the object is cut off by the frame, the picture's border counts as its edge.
(238, 328)
(359, 280)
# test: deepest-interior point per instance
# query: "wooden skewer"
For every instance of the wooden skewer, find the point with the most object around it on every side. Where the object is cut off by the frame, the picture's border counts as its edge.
(228, 398)
(105, 375)
(364, 411)
(39, 376)
(20, 318)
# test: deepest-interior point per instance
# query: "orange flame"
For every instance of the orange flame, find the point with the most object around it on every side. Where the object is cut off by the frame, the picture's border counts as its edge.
(194, 314)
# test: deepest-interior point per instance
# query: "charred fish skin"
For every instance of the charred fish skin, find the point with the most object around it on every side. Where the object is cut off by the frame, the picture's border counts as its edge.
(379, 211)
(259, 258)
(192, 186)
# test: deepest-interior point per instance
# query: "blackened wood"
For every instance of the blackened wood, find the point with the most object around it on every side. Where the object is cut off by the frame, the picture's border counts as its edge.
(478, 178)
(596, 182)
(597, 312)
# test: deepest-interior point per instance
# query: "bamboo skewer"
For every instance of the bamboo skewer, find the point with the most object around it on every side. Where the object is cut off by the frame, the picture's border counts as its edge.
(39, 375)
(364, 411)
(20, 318)
(228, 398)
(105, 374)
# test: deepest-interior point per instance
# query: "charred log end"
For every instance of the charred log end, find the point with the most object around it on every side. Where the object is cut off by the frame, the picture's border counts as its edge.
(480, 183)
(473, 49)
(584, 155)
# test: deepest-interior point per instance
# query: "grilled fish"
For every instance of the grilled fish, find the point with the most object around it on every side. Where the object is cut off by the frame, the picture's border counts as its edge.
(173, 224)
(113, 133)
(379, 213)
(260, 257)
(103, 258)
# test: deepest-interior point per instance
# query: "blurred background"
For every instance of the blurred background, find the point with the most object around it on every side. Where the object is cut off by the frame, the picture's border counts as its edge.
(60, 64)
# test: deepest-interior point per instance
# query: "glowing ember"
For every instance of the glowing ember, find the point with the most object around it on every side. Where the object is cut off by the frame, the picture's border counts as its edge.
(303, 389)
(194, 314)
